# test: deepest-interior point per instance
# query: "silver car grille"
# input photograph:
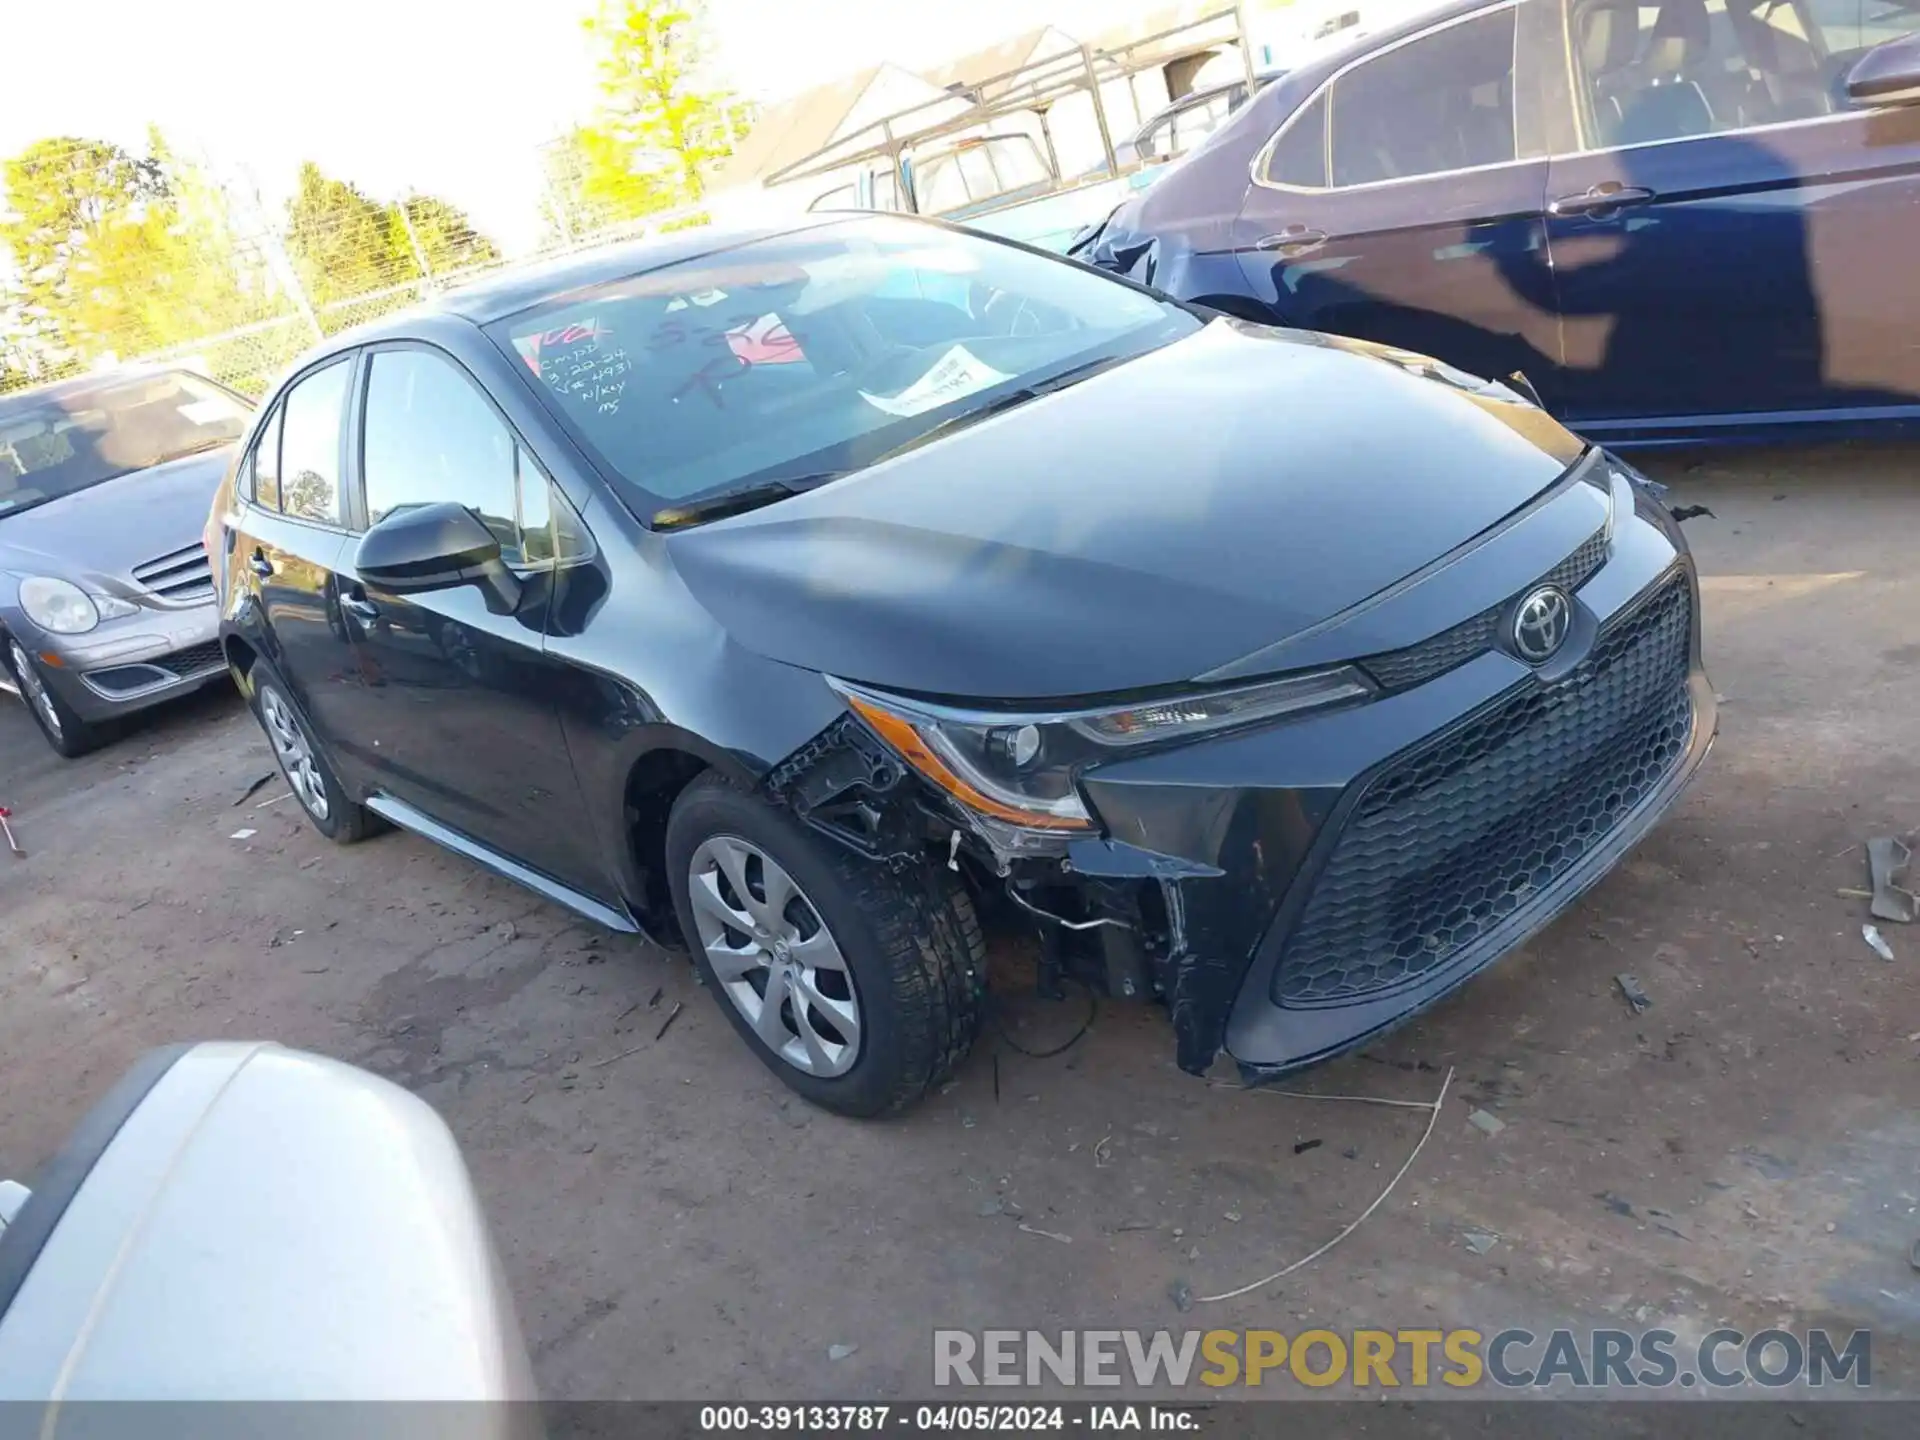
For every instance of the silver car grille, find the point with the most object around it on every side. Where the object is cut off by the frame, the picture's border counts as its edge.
(181, 576)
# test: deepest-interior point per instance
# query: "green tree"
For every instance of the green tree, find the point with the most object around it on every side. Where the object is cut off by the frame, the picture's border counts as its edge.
(446, 236)
(116, 253)
(661, 124)
(342, 242)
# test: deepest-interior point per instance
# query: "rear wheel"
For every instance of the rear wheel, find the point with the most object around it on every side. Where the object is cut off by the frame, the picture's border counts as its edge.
(859, 988)
(66, 732)
(306, 771)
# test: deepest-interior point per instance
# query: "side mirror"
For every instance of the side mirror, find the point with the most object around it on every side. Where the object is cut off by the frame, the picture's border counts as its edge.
(1888, 74)
(436, 547)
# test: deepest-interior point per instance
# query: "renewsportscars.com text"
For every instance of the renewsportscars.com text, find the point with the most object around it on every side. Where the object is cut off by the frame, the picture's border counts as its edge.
(1514, 1358)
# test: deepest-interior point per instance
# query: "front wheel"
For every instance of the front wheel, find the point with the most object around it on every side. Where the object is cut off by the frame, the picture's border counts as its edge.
(69, 735)
(860, 988)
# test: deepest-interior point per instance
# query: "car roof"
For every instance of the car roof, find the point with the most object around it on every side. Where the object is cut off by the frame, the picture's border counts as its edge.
(80, 384)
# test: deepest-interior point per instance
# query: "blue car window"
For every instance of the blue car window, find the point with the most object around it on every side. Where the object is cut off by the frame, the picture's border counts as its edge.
(1440, 103)
(1299, 154)
(1676, 68)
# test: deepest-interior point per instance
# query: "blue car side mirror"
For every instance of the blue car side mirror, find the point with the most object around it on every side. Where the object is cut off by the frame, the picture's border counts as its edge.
(1888, 74)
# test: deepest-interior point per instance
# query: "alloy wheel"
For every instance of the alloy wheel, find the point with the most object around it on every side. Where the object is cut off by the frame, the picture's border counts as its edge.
(774, 957)
(35, 690)
(295, 755)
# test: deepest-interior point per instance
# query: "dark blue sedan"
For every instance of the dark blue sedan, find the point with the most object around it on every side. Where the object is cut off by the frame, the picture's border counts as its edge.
(1681, 220)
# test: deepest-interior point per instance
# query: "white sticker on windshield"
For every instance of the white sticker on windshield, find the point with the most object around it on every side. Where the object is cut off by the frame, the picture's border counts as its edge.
(205, 412)
(959, 372)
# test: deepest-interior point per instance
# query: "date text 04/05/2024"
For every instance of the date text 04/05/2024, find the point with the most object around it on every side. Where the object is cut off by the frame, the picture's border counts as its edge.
(976, 1419)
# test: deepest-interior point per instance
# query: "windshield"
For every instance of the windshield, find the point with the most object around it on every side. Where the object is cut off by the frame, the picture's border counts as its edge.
(54, 442)
(806, 355)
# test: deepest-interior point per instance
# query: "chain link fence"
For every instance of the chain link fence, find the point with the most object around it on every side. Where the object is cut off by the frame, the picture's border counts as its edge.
(113, 256)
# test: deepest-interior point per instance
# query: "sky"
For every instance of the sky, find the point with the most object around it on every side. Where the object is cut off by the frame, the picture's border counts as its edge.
(449, 97)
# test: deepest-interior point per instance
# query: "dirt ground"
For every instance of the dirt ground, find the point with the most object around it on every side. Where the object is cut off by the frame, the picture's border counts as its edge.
(674, 1225)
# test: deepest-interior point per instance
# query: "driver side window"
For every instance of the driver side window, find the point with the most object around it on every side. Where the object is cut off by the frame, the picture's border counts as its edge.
(429, 436)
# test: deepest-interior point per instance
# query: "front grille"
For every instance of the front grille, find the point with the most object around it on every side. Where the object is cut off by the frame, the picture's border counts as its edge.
(1453, 839)
(1574, 571)
(194, 659)
(181, 576)
(1434, 656)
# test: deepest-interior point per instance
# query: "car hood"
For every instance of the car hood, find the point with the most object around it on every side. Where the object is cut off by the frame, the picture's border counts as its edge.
(1141, 528)
(106, 530)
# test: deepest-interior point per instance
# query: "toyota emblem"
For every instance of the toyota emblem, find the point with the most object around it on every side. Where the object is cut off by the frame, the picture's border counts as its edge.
(1540, 624)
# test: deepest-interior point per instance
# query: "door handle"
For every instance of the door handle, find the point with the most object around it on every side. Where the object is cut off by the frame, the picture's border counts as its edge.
(1601, 200)
(260, 565)
(360, 608)
(1293, 240)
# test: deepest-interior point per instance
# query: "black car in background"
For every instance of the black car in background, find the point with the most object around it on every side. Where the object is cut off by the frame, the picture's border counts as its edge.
(803, 594)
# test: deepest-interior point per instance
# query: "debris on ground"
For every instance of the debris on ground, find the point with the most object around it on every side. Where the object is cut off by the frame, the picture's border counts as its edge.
(1871, 934)
(1887, 860)
(667, 1024)
(990, 1208)
(1618, 1204)
(1046, 1234)
(1485, 1123)
(1233, 1216)
(1126, 1225)
(1352, 1152)
(1669, 1222)
(243, 834)
(1103, 1151)
(598, 1064)
(653, 1000)
(1182, 1295)
(254, 788)
(1913, 1255)
(1635, 996)
(7, 830)
(1480, 1241)
(1433, 1109)
(1301, 1147)
(841, 1352)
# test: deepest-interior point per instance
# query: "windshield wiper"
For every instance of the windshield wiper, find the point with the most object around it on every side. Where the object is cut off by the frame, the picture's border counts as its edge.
(738, 502)
(1073, 375)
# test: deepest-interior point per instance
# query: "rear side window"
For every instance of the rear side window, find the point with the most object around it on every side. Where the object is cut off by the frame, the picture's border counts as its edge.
(432, 437)
(1299, 155)
(1441, 103)
(310, 444)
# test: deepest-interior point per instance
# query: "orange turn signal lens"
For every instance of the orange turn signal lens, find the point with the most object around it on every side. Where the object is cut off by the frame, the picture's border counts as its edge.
(907, 742)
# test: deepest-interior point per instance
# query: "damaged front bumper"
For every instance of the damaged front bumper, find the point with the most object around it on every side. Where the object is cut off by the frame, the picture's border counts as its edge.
(1294, 889)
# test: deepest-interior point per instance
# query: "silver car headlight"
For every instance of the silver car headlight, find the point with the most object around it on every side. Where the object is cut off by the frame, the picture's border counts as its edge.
(1024, 768)
(61, 607)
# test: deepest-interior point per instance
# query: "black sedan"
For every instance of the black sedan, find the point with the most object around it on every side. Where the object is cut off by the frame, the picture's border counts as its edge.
(807, 596)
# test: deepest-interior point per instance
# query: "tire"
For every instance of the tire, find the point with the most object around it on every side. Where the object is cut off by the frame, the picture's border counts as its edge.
(69, 735)
(302, 764)
(913, 961)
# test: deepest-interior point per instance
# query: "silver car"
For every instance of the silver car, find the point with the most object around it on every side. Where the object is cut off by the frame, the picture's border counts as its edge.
(107, 603)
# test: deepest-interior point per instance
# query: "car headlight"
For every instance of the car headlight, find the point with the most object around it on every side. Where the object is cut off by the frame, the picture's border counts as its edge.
(61, 607)
(1024, 768)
